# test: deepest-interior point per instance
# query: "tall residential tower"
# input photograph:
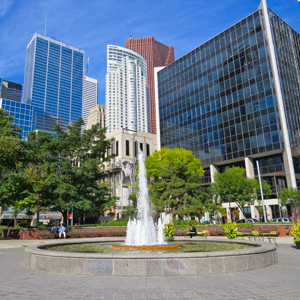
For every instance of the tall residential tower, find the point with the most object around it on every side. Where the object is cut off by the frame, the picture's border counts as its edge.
(156, 55)
(127, 97)
(53, 82)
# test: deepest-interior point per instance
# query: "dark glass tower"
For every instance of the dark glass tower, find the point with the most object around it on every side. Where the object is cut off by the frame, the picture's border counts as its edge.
(235, 99)
(53, 82)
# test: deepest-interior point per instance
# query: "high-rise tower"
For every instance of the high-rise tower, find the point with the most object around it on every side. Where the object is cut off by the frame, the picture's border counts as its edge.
(156, 55)
(127, 98)
(97, 115)
(238, 103)
(89, 97)
(53, 82)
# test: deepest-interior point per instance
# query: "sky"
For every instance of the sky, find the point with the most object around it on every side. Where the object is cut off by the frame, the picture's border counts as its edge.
(93, 24)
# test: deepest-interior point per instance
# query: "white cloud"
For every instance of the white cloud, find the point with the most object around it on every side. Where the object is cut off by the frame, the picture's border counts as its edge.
(4, 7)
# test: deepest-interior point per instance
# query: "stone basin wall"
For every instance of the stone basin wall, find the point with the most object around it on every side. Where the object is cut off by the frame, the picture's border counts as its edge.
(148, 264)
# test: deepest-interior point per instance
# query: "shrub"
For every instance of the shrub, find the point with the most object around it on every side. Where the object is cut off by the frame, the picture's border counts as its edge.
(296, 231)
(169, 230)
(230, 230)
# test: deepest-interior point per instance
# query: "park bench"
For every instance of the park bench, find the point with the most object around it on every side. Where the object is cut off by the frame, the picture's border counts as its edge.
(241, 235)
(202, 234)
(257, 236)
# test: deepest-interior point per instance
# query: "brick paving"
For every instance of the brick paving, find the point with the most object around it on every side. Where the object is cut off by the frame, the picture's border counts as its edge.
(280, 281)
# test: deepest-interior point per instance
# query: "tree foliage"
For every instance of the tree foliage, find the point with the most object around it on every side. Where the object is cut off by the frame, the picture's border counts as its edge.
(54, 172)
(165, 157)
(233, 186)
(11, 145)
(174, 176)
(292, 195)
(73, 168)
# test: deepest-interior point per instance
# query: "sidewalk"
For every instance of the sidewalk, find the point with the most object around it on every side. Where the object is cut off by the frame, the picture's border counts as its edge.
(277, 282)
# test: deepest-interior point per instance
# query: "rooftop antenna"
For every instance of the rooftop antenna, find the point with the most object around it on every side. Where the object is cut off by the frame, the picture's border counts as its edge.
(87, 66)
(45, 25)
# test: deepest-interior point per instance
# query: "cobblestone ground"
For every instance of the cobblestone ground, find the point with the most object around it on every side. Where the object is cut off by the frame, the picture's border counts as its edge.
(280, 281)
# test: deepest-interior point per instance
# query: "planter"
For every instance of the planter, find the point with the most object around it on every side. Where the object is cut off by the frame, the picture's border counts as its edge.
(297, 245)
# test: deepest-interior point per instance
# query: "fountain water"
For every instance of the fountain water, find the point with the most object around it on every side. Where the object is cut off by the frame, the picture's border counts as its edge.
(141, 231)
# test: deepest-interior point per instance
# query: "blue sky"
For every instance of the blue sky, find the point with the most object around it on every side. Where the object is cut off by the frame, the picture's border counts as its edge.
(93, 24)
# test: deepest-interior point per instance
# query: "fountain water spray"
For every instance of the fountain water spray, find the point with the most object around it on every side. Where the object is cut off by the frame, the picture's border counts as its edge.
(141, 231)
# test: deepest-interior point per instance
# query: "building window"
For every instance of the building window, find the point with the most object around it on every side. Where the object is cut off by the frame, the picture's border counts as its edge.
(117, 148)
(141, 146)
(127, 147)
(148, 149)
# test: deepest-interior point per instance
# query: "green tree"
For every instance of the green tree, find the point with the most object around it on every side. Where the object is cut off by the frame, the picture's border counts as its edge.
(175, 180)
(76, 159)
(12, 154)
(233, 186)
(290, 195)
(131, 210)
(11, 145)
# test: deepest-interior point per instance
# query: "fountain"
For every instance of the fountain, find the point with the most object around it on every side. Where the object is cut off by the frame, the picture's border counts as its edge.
(141, 231)
(127, 259)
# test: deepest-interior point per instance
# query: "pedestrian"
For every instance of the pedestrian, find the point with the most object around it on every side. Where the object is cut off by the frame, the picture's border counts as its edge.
(54, 231)
(193, 231)
(62, 231)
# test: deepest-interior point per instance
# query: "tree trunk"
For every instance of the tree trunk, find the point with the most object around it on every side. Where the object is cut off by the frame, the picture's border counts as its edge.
(65, 218)
(32, 220)
(242, 210)
(15, 221)
(37, 218)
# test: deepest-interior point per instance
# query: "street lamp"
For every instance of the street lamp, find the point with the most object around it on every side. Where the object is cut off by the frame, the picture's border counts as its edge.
(261, 190)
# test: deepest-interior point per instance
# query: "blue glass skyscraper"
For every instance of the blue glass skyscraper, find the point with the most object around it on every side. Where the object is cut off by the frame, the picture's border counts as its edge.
(24, 115)
(53, 82)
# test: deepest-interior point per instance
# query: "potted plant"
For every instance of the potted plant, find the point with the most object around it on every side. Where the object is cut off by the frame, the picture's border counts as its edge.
(169, 231)
(296, 234)
(231, 230)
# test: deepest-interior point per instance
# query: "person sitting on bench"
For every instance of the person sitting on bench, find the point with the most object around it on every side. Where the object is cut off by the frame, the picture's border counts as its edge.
(62, 231)
(54, 231)
(193, 231)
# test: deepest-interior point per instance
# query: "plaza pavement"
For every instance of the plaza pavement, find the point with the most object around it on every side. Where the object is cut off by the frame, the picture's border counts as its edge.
(280, 281)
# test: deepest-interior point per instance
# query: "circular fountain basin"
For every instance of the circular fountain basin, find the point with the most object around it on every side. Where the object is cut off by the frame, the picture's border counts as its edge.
(147, 248)
(141, 263)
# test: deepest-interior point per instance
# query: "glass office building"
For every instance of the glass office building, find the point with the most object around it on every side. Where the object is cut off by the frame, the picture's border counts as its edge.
(24, 115)
(53, 82)
(235, 99)
(89, 98)
(10, 90)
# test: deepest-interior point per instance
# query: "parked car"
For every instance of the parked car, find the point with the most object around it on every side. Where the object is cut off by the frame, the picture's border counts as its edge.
(248, 221)
(213, 222)
(287, 220)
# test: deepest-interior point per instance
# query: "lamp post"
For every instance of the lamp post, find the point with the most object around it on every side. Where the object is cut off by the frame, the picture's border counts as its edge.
(261, 190)
(279, 204)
